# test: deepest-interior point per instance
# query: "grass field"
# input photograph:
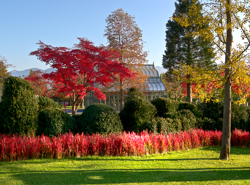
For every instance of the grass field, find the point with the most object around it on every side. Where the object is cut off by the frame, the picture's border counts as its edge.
(196, 166)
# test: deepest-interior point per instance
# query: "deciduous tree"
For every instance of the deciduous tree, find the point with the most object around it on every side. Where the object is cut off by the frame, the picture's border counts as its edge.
(173, 86)
(125, 36)
(185, 48)
(223, 17)
(40, 85)
(80, 67)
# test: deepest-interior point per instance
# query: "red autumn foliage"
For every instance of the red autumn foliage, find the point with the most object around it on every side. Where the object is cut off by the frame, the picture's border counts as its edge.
(212, 85)
(41, 85)
(125, 144)
(80, 68)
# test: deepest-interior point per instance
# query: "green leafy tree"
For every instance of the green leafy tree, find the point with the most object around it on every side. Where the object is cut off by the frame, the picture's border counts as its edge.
(223, 17)
(183, 48)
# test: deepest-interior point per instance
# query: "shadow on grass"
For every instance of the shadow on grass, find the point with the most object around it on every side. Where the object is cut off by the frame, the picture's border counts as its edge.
(234, 150)
(86, 174)
(105, 176)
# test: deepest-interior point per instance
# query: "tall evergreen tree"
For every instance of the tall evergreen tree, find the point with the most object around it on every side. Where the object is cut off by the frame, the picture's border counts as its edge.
(185, 48)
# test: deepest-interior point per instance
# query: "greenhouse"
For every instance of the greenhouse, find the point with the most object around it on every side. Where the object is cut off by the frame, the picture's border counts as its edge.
(155, 88)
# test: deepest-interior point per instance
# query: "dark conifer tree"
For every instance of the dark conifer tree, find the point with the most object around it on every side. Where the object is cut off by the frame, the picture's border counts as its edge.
(185, 48)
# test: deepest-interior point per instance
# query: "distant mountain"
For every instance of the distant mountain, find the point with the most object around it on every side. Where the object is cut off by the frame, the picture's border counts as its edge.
(26, 72)
(160, 69)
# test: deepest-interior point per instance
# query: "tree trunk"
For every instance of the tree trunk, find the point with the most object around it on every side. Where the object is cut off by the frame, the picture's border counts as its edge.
(73, 104)
(121, 95)
(226, 129)
(82, 103)
(189, 91)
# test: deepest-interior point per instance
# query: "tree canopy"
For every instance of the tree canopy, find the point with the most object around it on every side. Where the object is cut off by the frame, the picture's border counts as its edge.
(125, 37)
(182, 47)
(40, 85)
(223, 18)
(80, 68)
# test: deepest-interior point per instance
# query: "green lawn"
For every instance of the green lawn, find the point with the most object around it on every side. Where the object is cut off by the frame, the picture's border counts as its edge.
(196, 166)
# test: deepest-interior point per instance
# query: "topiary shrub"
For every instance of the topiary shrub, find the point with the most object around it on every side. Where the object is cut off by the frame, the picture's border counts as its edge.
(18, 107)
(135, 113)
(164, 105)
(166, 125)
(134, 93)
(171, 115)
(99, 118)
(188, 106)
(248, 121)
(187, 118)
(214, 111)
(46, 102)
(77, 123)
(177, 124)
(206, 123)
(149, 125)
(54, 121)
(239, 117)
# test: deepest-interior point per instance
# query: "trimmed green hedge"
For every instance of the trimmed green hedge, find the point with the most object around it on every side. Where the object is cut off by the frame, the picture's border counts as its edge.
(135, 113)
(164, 105)
(46, 102)
(52, 122)
(18, 107)
(99, 118)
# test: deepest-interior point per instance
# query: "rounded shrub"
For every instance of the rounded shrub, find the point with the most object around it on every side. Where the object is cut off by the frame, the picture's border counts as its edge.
(134, 93)
(54, 121)
(171, 115)
(77, 126)
(177, 124)
(206, 123)
(46, 102)
(239, 117)
(212, 110)
(99, 118)
(164, 105)
(135, 113)
(187, 118)
(149, 125)
(18, 107)
(188, 106)
(165, 125)
(161, 125)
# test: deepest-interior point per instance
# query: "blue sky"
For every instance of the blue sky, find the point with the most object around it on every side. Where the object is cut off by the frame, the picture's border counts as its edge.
(60, 22)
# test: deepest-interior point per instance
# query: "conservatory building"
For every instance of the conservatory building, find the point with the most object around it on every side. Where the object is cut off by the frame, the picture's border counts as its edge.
(154, 89)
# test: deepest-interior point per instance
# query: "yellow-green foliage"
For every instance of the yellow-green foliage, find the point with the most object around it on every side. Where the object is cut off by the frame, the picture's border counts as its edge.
(214, 14)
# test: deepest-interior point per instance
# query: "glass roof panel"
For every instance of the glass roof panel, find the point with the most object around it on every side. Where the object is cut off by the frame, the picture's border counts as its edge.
(151, 87)
(163, 88)
(158, 86)
(154, 87)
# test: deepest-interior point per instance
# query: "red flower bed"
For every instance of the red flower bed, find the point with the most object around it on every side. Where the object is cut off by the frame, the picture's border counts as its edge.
(68, 145)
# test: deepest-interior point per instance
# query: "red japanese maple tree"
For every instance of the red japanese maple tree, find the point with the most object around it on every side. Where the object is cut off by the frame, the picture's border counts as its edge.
(41, 85)
(80, 67)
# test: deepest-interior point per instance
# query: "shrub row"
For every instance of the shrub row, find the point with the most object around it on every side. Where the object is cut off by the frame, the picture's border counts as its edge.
(18, 147)
(205, 115)
(22, 114)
